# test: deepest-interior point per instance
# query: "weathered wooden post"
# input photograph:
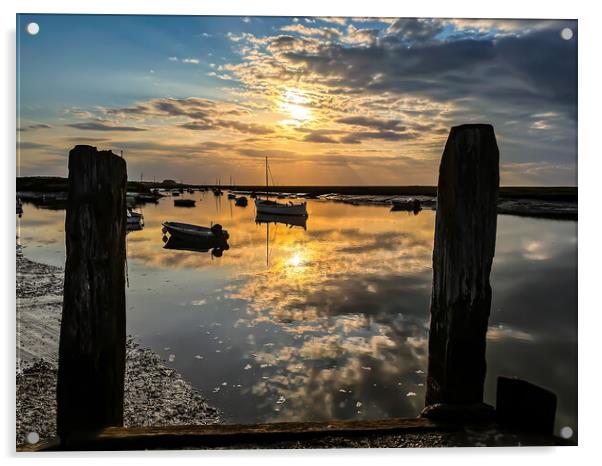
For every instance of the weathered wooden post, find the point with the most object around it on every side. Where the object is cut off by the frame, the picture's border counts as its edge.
(92, 340)
(465, 230)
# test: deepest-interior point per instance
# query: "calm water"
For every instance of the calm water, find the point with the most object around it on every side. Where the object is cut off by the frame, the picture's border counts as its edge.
(332, 322)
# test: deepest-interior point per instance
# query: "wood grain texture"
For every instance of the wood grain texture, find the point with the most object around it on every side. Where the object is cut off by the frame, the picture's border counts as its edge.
(464, 246)
(92, 339)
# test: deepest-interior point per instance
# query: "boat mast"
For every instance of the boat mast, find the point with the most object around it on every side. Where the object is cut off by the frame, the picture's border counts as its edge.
(267, 192)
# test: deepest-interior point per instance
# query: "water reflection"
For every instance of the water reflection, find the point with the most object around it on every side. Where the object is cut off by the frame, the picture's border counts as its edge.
(288, 220)
(217, 246)
(335, 325)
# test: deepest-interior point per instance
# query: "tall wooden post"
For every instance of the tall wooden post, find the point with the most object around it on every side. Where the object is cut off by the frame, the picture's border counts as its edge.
(92, 340)
(465, 230)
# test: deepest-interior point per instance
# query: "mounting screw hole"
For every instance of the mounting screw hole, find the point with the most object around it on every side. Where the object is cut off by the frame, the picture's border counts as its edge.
(33, 29)
(566, 432)
(566, 33)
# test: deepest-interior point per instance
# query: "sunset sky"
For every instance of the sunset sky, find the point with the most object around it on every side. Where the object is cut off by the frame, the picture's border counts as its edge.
(347, 101)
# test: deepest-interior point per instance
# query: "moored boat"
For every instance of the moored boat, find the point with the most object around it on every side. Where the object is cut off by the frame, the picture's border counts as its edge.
(184, 202)
(189, 231)
(265, 206)
(410, 204)
(134, 218)
(241, 201)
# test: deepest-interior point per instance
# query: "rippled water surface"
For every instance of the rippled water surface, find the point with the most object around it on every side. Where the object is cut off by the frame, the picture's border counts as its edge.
(331, 321)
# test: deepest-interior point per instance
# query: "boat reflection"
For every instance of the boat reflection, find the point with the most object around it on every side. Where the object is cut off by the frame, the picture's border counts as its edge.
(288, 220)
(217, 246)
(133, 227)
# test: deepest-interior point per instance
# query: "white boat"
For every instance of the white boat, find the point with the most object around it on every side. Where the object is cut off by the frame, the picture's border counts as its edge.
(134, 218)
(189, 231)
(265, 206)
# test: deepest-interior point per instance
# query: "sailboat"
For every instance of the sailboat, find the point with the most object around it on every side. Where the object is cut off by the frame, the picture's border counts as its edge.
(265, 206)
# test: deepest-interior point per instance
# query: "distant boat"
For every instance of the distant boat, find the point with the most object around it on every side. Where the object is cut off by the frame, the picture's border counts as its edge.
(231, 196)
(410, 205)
(184, 202)
(191, 232)
(241, 201)
(288, 220)
(134, 218)
(265, 206)
(175, 193)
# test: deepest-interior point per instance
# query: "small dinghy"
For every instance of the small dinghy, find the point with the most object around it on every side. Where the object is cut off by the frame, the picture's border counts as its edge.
(231, 196)
(409, 205)
(189, 231)
(134, 219)
(184, 202)
(241, 201)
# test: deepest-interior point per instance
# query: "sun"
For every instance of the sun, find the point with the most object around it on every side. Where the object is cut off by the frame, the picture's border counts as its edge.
(292, 103)
(296, 260)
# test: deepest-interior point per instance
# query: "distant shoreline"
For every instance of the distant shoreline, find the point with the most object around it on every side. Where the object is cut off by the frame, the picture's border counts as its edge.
(548, 193)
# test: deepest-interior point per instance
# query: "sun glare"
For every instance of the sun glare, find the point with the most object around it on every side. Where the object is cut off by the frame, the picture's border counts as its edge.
(292, 103)
(296, 260)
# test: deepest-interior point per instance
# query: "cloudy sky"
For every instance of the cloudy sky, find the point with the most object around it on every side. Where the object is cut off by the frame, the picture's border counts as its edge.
(346, 101)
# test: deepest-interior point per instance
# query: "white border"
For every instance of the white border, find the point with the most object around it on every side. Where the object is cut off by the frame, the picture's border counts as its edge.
(590, 171)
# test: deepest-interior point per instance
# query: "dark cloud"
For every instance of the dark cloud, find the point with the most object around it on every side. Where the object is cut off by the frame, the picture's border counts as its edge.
(321, 138)
(103, 126)
(204, 114)
(192, 107)
(251, 128)
(34, 127)
(359, 136)
(373, 123)
(416, 29)
(532, 72)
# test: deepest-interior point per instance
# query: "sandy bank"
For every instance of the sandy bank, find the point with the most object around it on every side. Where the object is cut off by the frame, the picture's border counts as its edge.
(154, 393)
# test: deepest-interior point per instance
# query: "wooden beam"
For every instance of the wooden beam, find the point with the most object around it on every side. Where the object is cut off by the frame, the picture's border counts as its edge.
(92, 340)
(465, 231)
(223, 435)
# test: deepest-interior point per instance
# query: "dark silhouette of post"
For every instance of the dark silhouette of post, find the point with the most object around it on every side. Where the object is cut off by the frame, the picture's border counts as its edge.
(465, 230)
(92, 340)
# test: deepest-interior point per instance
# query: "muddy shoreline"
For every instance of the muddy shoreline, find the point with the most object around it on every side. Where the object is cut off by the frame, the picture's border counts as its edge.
(154, 393)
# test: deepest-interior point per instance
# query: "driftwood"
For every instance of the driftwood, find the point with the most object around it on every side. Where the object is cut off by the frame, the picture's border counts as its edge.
(233, 435)
(92, 340)
(465, 230)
